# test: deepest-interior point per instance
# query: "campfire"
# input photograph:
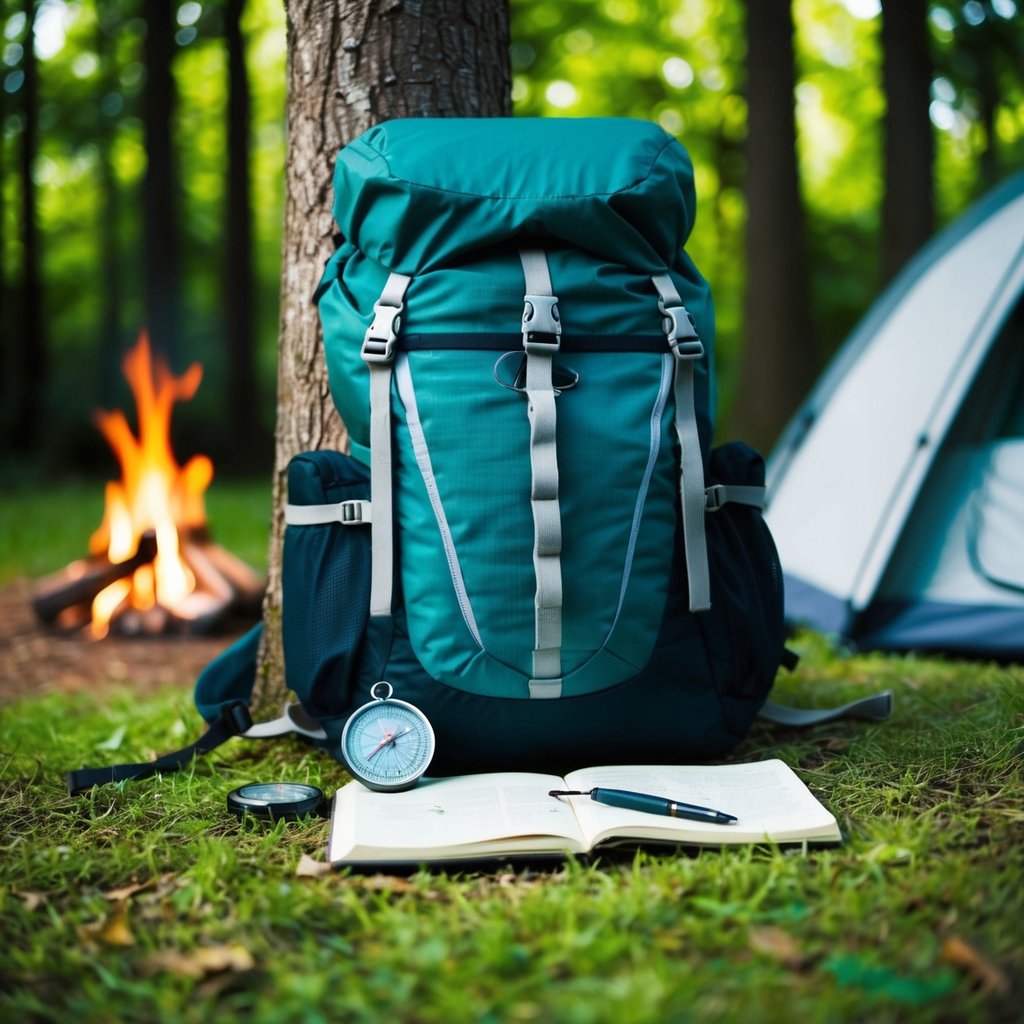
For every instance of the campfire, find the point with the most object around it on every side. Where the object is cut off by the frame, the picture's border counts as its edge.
(152, 566)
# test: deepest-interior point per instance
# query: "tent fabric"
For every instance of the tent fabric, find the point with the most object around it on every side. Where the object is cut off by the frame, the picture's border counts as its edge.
(896, 494)
(998, 518)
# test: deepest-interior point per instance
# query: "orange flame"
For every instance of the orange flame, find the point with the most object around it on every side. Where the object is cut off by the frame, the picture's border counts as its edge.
(154, 492)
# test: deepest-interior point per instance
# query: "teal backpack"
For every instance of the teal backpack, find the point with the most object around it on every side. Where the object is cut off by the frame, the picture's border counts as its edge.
(532, 539)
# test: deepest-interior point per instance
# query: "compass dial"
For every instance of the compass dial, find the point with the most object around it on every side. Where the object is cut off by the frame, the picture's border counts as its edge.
(387, 744)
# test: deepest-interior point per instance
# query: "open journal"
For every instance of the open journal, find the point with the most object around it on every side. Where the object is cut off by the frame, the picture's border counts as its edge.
(477, 817)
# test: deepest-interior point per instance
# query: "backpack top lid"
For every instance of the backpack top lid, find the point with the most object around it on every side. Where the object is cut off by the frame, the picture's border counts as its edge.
(440, 187)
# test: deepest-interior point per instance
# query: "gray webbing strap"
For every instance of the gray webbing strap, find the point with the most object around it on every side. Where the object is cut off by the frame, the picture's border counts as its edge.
(541, 339)
(379, 355)
(718, 495)
(875, 708)
(687, 348)
(348, 513)
(293, 719)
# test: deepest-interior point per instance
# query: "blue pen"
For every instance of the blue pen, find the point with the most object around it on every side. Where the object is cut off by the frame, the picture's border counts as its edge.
(649, 804)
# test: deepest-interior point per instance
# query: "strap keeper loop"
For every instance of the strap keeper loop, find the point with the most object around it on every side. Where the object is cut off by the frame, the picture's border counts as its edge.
(353, 513)
(714, 497)
(688, 350)
(236, 717)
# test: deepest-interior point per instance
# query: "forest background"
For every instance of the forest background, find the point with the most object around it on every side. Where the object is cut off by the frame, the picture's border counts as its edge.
(142, 173)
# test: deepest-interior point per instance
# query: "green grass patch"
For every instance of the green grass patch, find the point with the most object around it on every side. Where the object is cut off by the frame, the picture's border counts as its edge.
(43, 529)
(150, 901)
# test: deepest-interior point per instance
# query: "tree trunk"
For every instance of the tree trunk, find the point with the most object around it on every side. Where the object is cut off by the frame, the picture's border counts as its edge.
(111, 340)
(7, 364)
(247, 440)
(161, 258)
(351, 64)
(988, 105)
(778, 363)
(31, 373)
(908, 205)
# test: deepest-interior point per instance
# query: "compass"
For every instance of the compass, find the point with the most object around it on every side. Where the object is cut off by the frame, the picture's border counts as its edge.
(387, 744)
(276, 801)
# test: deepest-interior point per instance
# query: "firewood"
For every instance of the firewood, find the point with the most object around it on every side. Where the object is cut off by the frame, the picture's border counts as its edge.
(79, 582)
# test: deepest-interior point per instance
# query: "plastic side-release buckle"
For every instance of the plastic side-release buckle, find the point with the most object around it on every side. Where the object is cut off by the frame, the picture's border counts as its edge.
(679, 330)
(381, 335)
(541, 326)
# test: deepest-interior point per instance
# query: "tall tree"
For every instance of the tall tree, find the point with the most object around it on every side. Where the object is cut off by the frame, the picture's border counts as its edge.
(7, 365)
(244, 422)
(32, 366)
(352, 63)
(108, 229)
(160, 204)
(778, 363)
(908, 204)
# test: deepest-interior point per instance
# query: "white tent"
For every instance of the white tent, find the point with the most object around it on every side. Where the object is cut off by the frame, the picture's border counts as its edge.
(896, 493)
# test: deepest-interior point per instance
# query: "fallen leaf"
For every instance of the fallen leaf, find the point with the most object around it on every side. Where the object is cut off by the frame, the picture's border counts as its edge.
(115, 740)
(201, 962)
(31, 900)
(125, 892)
(836, 743)
(778, 945)
(310, 868)
(962, 954)
(113, 930)
(387, 883)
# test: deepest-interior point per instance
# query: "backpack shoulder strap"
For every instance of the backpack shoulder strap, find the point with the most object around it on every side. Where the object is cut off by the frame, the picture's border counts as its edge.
(221, 693)
(233, 720)
(687, 350)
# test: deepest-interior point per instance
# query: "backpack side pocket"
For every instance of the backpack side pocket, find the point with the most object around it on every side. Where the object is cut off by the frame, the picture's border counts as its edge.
(325, 579)
(745, 629)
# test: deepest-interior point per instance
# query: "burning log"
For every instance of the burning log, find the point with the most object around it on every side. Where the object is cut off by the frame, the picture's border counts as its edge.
(79, 583)
(153, 567)
(225, 587)
(247, 584)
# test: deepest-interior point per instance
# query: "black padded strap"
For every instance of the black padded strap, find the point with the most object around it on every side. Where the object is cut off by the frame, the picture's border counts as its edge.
(234, 720)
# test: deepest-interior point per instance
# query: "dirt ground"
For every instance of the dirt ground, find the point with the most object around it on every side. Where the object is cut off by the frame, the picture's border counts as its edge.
(35, 660)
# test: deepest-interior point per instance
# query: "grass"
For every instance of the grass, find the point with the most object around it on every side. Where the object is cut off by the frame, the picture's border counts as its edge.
(149, 901)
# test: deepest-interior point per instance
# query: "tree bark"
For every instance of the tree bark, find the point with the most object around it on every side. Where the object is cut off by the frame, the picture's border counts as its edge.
(111, 347)
(351, 64)
(247, 440)
(908, 205)
(160, 205)
(7, 363)
(32, 368)
(779, 361)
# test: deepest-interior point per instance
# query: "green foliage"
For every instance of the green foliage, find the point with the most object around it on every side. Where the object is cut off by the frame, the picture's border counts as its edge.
(683, 66)
(680, 64)
(149, 900)
(89, 171)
